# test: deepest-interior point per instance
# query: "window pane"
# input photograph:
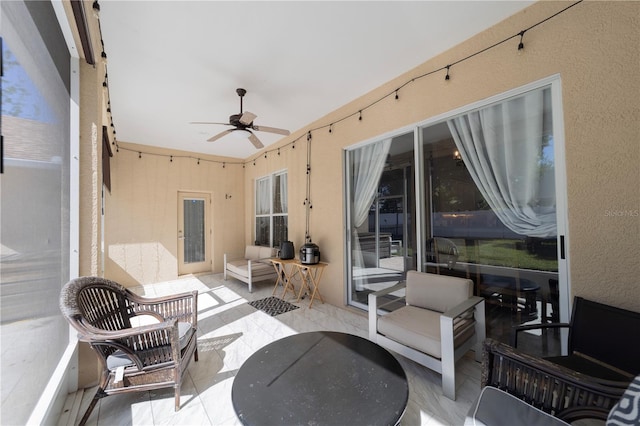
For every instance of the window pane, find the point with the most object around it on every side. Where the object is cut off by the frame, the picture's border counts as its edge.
(280, 230)
(271, 210)
(263, 202)
(280, 193)
(34, 257)
(262, 231)
(194, 238)
(382, 210)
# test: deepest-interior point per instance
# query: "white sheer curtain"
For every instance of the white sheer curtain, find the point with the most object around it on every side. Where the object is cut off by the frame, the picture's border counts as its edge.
(502, 148)
(263, 201)
(367, 165)
(283, 193)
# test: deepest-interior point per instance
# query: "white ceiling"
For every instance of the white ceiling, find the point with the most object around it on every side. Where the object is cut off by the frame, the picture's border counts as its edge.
(173, 62)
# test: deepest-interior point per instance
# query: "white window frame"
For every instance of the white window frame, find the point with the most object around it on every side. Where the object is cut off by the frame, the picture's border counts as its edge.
(270, 179)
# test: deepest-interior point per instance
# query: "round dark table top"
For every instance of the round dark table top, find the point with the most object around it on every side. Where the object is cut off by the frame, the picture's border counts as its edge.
(320, 378)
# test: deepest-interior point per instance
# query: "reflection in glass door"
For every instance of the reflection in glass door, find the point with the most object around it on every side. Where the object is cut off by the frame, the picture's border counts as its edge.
(381, 210)
(490, 210)
(193, 233)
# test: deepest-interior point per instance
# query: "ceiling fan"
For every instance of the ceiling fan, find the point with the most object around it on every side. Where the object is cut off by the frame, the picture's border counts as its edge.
(243, 122)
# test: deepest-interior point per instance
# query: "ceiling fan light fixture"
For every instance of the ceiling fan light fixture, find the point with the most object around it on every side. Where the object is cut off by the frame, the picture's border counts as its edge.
(241, 134)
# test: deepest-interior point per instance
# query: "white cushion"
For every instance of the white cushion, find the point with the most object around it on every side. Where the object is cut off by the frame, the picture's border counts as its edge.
(420, 329)
(267, 252)
(436, 292)
(414, 327)
(241, 267)
(252, 252)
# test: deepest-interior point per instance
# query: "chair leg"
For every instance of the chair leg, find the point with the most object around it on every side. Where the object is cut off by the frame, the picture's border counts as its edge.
(177, 390)
(448, 360)
(99, 394)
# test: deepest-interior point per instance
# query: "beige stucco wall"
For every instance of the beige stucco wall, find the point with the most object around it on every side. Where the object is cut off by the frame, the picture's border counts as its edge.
(594, 49)
(141, 217)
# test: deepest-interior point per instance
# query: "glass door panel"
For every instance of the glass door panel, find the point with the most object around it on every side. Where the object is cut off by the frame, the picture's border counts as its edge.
(381, 225)
(193, 233)
(489, 212)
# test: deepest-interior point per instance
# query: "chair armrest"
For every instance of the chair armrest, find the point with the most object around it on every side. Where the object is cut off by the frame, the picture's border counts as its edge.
(388, 290)
(182, 306)
(139, 343)
(373, 297)
(98, 334)
(463, 307)
(516, 329)
(373, 307)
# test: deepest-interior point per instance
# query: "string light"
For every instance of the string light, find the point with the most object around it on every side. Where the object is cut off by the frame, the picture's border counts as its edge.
(171, 159)
(397, 97)
(360, 116)
(331, 128)
(446, 77)
(521, 45)
(139, 154)
(198, 161)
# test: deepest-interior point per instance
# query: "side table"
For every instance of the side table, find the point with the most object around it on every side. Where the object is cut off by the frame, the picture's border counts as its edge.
(311, 276)
(287, 272)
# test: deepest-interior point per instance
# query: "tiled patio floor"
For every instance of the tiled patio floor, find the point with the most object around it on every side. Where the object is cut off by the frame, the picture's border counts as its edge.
(230, 330)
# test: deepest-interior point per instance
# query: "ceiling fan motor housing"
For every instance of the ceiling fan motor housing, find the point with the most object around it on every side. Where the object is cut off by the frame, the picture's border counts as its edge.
(235, 120)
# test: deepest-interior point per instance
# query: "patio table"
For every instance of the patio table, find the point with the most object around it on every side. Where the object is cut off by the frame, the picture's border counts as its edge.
(320, 378)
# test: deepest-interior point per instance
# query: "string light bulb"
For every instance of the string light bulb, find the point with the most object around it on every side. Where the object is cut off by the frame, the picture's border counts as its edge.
(446, 77)
(360, 116)
(397, 97)
(521, 44)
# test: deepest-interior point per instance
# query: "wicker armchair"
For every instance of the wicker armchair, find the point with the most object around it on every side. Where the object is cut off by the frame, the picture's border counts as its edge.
(552, 388)
(133, 358)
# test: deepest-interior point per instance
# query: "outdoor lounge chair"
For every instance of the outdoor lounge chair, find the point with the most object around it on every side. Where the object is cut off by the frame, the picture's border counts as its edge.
(441, 321)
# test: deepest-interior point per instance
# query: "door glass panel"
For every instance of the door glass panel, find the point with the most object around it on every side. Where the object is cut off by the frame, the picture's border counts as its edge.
(489, 212)
(381, 215)
(194, 231)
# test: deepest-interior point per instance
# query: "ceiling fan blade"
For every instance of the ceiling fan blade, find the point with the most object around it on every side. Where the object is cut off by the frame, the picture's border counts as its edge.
(255, 141)
(247, 118)
(219, 135)
(209, 122)
(271, 130)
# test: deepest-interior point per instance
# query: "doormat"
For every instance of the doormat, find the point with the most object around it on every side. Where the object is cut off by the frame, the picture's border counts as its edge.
(273, 305)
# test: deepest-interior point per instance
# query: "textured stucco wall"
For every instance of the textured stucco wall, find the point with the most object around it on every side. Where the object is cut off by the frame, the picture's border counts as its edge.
(594, 49)
(141, 219)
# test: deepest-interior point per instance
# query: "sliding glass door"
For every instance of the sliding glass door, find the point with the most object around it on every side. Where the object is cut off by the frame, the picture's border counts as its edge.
(482, 200)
